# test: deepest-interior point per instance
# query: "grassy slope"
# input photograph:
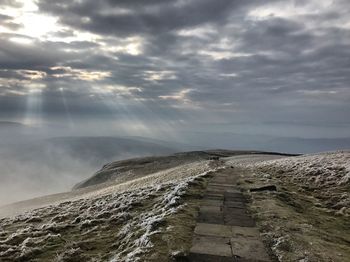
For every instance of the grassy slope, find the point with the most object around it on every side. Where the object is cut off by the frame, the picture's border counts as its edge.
(151, 217)
(302, 220)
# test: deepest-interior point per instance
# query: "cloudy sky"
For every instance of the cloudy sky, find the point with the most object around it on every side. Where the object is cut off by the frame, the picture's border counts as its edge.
(272, 67)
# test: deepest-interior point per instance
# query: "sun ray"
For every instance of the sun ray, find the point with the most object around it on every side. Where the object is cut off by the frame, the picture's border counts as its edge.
(66, 108)
(33, 114)
(132, 113)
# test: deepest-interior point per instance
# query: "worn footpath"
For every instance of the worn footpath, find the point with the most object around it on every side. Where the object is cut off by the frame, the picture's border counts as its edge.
(225, 231)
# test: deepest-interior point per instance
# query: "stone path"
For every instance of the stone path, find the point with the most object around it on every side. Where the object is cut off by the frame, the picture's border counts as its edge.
(224, 230)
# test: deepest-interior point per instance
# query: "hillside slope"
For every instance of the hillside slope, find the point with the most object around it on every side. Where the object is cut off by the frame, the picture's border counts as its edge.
(124, 170)
(34, 167)
(145, 209)
(120, 219)
(306, 218)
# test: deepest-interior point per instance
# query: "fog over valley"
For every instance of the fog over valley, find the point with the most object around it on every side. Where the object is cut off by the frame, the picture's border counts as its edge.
(37, 161)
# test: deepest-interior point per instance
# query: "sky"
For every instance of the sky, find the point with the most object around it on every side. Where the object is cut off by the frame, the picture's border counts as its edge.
(149, 67)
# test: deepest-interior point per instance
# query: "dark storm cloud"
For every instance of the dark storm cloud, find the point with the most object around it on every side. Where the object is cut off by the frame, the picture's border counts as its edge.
(5, 18)
(194, 57)
(34, 57)
(6, 21)
(12, 3)
(139, 17)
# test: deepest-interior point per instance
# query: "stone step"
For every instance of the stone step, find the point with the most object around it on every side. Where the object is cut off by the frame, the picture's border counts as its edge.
(212, 245)
(195, 257)
(225, 231)
(211, 217)
(249, 248)
(234, 204)
(206, 229)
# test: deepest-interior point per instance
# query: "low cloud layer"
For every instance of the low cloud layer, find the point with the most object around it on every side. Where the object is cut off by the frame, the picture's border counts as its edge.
(185, 64)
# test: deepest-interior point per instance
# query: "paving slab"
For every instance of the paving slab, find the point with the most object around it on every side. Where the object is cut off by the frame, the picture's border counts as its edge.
(240, 200)
(213, 192)
(233, 190)
(213, 196)
(225, 231)
(211, 217)
(211, 209)
(221, 181)
(249, 248)
(235, 204)
(241, 259)
(233, 211)
(196, 257)
(232, 180)
(212, 202)
(223, 184)
(248, 232)
(235, 197)
(219, 189)
(219, 246)
(206, 229)
(243, 221)
(218, 178)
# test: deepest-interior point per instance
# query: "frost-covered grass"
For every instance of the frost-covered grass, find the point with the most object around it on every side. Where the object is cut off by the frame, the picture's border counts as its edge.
(119, 223)
(329, 168)
(325, 176)
(307, 218)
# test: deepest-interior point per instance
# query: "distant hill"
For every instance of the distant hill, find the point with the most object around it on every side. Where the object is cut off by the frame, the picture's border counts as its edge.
(10, 124)
(307, 145)
(35, 167)
(14, 132)
(93, 150)
(8, 127)
(128, 169)
(100, 150)
(178, 145)
(265, 143)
